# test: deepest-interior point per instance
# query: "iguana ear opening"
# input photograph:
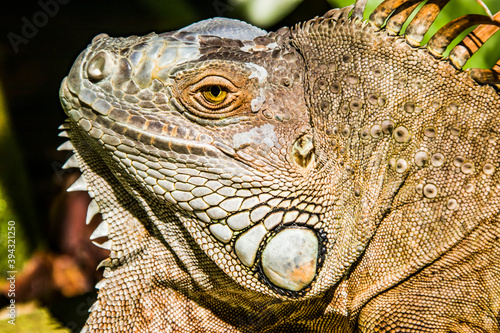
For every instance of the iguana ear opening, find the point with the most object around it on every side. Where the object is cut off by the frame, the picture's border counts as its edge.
(303, 150)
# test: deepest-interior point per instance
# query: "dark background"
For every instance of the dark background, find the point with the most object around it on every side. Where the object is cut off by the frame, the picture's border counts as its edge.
(39, 40)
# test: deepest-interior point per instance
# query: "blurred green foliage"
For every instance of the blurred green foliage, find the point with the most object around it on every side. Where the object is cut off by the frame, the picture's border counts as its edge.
(11, 175)
(32, 320)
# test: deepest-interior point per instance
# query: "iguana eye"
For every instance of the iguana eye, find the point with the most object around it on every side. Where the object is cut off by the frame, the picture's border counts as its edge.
(212, 96)
(215, 94)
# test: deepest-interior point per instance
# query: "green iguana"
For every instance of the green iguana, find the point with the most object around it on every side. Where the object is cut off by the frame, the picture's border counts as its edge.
(330, 177)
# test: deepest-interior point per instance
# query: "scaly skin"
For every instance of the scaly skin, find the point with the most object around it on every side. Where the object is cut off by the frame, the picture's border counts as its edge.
(324, 178)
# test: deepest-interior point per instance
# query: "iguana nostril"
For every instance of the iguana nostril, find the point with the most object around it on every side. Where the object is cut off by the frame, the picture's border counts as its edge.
(99, 66)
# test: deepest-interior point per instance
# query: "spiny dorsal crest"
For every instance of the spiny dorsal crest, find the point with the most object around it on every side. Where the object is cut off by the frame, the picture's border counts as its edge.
(394, 13)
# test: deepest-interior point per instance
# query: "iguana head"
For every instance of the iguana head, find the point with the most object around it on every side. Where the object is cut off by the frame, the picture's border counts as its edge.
(214, 125)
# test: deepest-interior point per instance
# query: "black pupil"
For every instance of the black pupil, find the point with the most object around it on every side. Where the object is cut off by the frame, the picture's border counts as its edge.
(215, 91)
